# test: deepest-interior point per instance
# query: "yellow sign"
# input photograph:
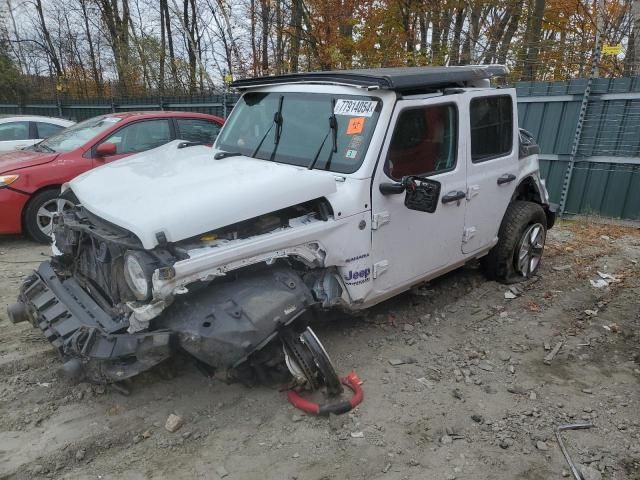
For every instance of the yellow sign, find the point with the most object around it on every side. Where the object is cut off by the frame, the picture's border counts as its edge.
(612, 49)
(228, 78)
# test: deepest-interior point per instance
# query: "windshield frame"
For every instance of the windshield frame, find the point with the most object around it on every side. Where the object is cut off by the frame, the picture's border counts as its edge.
(331, 94)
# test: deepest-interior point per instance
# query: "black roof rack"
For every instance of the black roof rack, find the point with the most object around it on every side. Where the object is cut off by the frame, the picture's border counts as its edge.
(400, 79)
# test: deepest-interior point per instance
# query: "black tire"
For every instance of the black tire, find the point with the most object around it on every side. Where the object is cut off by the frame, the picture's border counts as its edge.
(501, 263)
(31, 226)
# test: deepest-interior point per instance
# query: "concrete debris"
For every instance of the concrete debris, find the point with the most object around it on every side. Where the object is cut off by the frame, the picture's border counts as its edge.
(550, 356)
(540, 445)
(401, 361)
(221, 471)
(509, 295)
(599, 283)
(173, 423)
(590, 473)
(561, 268)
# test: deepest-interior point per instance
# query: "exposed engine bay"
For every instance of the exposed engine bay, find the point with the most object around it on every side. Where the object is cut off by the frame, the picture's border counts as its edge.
(96, 304)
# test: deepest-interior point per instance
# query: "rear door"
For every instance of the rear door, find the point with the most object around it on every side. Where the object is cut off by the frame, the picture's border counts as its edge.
(408, 244)
(493, 165)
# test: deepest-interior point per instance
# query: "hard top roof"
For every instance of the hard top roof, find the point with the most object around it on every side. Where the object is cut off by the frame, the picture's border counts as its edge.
(400, 78)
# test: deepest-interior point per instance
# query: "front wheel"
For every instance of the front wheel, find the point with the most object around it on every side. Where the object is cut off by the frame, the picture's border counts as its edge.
(38, 216)
(516, 256)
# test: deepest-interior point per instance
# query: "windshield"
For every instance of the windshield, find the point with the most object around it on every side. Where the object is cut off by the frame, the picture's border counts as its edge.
(305, 130)
(77, 135)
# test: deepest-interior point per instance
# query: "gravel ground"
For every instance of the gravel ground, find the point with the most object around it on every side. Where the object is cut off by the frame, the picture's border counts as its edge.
(472, 398)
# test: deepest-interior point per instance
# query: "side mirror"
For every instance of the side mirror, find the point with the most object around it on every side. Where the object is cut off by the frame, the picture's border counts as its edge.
(106, 149)
(422, 194)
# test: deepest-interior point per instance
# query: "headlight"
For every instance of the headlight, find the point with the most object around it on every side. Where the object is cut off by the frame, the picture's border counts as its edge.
(6, 180)
(137, 273)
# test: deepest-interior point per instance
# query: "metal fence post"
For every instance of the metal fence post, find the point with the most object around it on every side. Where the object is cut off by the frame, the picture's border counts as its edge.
(224, 104)
(59, 105)
(566, 184)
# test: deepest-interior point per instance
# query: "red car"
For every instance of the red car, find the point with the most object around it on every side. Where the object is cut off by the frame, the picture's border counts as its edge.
(30, 179)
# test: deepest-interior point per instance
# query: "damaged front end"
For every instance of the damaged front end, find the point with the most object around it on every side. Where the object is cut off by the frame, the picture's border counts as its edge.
(95, 302)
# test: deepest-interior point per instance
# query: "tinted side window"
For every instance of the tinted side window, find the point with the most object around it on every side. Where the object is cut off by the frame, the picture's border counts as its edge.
(14, 131)
(196, 130)
(491, 127)
(424, 142)
(140, 136)
(45, 130)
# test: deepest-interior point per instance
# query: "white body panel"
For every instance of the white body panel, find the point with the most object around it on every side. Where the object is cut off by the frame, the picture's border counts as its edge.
(8, 145)
(185, 192)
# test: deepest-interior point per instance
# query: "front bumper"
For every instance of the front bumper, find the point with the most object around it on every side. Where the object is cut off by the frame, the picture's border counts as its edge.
(92, 345)
(11, 205)
(221, 326)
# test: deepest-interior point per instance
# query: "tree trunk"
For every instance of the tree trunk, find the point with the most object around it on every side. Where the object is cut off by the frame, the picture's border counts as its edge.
(454, 56)
(491, 52)
(296, 24)
(164, 5)
(53, 56)
(163, 51)
(508, 36)
(97, 75)
(532, 39)
(632, 58)
(265, 11)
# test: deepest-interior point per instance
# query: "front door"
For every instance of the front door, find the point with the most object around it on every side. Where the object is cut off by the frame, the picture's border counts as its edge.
(135, 138)
(409, 244)
(492, 168)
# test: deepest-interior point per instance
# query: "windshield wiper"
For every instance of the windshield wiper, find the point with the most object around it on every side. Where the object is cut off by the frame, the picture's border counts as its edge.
(45, 147)
(277, 120)
(333, 129)
(221, 155)
(187, 144)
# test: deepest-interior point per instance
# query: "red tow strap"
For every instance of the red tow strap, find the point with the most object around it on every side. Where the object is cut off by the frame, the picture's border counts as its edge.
(351, 381)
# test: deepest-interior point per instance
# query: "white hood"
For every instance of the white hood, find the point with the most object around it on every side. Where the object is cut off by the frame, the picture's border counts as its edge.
(185, 192)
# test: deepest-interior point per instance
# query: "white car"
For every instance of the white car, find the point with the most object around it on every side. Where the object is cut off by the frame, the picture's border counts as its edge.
(324, 190)
(17, 132)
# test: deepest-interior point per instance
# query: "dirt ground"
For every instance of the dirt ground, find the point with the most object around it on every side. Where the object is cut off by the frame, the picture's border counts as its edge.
(471, 399)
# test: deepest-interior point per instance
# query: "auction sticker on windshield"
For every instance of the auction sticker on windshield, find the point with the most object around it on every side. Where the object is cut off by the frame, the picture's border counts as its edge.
(359, 108)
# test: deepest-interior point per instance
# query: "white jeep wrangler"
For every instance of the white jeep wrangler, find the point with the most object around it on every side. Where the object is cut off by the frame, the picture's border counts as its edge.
(323, 190)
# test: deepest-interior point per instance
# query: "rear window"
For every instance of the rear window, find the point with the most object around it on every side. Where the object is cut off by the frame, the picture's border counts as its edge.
(45, 130)
(14, 131)
(491, 127)
(197, 130)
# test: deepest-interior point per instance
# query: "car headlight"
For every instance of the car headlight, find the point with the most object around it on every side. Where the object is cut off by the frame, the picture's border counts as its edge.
(6, 180)
(137, 273)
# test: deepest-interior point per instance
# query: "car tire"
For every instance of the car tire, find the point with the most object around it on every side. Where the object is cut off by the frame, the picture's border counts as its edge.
(33, 220)
(516, 257)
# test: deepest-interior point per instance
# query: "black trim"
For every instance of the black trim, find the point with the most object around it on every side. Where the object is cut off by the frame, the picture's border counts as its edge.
(33, 131)
(17, 191)
(401, 78)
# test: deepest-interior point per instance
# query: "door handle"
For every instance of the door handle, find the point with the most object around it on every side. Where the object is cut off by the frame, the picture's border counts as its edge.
(453, 197)
(506, 178)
